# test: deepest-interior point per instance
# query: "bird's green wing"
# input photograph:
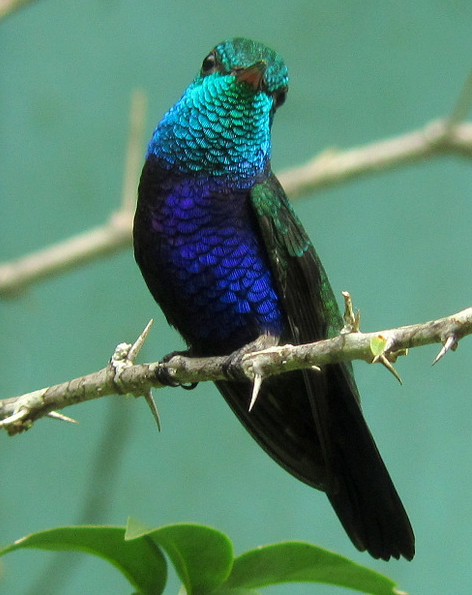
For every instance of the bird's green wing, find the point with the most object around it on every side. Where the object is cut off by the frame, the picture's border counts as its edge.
(306, 293)
(354, 477)
(307, 300)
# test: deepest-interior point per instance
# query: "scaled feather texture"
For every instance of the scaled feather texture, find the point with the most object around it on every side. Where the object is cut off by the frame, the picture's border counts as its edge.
(230, 264)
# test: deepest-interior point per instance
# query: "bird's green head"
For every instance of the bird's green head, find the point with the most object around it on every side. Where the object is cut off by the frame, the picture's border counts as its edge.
(221, 124)
(249, 62)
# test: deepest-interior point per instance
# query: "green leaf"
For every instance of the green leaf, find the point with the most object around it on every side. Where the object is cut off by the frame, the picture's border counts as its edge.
(303, 562)
(203, 559)
(202, 556)
(140, 561)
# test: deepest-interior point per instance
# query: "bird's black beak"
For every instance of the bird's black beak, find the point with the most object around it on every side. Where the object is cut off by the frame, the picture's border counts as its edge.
(253, 75)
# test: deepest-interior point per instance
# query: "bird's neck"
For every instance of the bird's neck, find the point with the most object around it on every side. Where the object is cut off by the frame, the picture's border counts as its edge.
(222, 138)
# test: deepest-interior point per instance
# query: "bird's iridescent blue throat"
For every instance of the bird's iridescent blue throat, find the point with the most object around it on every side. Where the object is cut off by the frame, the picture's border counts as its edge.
(220, 126)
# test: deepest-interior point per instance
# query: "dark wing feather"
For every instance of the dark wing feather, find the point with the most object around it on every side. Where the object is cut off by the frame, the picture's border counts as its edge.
(311, 422)
(307, 300)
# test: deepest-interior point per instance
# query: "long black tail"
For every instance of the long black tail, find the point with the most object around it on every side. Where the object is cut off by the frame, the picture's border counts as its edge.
(329, 447)
(365, 498)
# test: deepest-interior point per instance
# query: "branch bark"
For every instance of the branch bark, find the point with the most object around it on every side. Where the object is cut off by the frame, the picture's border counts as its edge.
(327, 169)
(122, 376)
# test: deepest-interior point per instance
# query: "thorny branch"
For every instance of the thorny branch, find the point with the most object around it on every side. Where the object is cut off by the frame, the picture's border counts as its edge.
(450, 135)
(122, 376)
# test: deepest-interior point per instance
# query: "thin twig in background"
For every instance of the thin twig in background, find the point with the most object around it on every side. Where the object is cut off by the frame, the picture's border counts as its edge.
(115, 235)
(443, 137)
(334, 167)
(463, 104)
(327, 169)
(8, 7)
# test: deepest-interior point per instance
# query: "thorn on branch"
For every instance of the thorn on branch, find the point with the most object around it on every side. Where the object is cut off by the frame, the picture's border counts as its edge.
(380, 346)
(61, 417)
(450, 344)
(125, 354)
(152, 406)
(351, 321)
(17, 422)
(383, 359)
(256, 387)
(137, 345)
(123, 358)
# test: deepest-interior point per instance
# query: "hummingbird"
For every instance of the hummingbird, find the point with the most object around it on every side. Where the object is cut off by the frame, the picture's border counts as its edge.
(227, 259)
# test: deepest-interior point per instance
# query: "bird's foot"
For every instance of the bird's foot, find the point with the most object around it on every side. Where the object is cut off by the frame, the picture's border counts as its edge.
(164, 375)
(233, 368)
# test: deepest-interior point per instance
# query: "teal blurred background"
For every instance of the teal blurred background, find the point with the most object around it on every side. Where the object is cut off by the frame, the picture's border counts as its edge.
(399, 242)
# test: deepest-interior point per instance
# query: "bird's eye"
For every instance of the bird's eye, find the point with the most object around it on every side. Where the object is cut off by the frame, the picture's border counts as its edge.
(279, 97)
(209, 64)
